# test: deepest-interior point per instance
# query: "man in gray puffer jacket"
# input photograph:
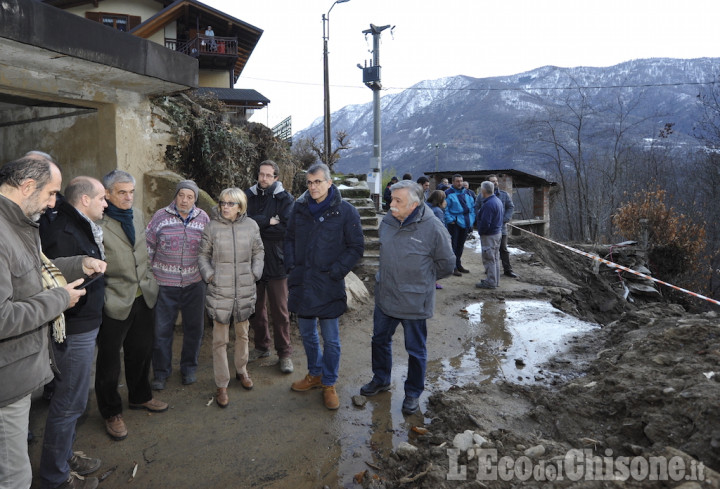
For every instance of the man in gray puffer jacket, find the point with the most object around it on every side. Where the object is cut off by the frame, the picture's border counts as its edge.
(415, 251)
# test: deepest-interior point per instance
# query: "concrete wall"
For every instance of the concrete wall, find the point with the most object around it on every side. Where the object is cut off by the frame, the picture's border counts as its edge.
(118, 135)
(82, 93)
(214, 78)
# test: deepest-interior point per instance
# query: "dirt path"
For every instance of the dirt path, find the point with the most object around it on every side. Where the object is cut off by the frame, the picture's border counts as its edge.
(271, 437)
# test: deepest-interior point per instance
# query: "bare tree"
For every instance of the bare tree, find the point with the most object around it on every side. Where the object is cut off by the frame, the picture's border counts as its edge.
(311, 145)
(561, 138)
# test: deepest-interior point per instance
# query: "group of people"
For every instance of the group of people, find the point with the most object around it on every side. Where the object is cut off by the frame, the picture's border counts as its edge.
(490, 211)
(258, 250)
(461, 210)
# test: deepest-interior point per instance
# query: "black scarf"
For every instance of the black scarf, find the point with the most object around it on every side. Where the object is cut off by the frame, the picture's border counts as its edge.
(125, 218)
(317, 209)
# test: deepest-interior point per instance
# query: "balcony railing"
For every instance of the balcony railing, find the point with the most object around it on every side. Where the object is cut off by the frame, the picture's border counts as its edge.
(205, 45)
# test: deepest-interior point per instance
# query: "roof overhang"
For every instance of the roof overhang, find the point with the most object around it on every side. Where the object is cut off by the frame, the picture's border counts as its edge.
(224, 25)
(520, 178)
(52, 42)
(239, 97)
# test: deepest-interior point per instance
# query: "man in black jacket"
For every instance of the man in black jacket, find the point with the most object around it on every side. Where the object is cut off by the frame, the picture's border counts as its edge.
(73, 232)
(269, 205)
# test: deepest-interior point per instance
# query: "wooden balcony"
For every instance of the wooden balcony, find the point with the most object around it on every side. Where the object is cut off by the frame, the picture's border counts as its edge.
(211, 51)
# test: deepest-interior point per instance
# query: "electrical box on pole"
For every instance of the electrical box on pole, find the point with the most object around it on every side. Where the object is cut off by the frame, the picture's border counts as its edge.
(371, 79)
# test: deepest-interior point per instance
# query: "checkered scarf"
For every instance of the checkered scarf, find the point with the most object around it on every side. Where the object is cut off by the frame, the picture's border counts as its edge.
(97, 235)
(52, 277)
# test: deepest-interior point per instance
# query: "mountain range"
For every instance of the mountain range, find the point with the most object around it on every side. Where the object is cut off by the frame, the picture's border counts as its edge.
(461, 122)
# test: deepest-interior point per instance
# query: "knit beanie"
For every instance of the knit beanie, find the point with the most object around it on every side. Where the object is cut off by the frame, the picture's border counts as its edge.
(188, 184)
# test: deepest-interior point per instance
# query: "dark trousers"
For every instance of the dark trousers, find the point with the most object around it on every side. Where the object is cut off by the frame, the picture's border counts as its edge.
(189, 300)
(73, 358)
(505, 255)
(457, 240)
(135, 336)
(415, 331)
(276, 291)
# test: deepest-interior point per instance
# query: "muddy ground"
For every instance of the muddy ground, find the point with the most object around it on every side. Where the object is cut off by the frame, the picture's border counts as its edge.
(641, 385)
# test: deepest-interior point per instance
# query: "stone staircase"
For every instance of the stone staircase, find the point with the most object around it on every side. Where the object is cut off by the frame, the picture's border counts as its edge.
(357, 193)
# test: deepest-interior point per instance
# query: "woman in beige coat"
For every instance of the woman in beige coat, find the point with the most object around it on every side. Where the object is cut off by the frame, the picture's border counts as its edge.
(231, 261)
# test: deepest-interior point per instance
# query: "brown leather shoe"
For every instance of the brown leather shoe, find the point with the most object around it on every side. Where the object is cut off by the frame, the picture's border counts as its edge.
(330, 397)
(222, 398)
(245, 381)
(115, 427)
(153, 405)
(306, 383)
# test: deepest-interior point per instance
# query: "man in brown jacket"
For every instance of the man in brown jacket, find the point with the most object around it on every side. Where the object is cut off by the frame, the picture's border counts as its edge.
(32, 290)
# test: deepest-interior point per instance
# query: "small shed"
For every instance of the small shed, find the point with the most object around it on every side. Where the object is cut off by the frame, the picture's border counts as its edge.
(534, 217)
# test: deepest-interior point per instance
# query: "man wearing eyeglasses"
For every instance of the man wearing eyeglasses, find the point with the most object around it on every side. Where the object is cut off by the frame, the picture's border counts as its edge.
(269, 205)
(324, 241)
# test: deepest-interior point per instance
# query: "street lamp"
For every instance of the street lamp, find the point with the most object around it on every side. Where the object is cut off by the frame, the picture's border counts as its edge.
(326, 36)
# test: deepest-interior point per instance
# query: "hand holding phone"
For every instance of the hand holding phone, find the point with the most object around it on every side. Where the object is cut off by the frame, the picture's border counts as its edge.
(90, 279)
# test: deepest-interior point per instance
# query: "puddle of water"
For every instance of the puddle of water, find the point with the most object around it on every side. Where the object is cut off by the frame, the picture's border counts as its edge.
(508, 341)
(497, 334)
(473, 243)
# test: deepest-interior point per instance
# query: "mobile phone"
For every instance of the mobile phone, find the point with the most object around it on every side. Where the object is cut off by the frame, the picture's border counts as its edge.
(90, 279)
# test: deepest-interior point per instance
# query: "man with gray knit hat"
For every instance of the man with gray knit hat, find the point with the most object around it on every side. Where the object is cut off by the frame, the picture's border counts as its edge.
(173, 241)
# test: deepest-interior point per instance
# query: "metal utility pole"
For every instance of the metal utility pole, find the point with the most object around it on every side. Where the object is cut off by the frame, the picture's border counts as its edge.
(371, 79)
(437, 146)
(326, 81)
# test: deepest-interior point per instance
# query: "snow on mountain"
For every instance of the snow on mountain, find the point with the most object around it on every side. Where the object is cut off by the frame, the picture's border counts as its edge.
(482, 122)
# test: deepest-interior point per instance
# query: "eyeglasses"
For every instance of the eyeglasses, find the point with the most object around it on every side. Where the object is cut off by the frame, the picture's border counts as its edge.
(227, 204)
(314, 183)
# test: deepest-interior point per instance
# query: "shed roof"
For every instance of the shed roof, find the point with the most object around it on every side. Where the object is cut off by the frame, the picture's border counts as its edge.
(520, 178)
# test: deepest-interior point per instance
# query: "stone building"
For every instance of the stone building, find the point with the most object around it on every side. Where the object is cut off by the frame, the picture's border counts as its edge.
(81, 91)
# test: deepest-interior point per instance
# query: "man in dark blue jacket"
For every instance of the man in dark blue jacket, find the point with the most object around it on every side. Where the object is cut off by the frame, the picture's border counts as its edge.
(73, 232)
(324, 241)
(269, 205)
(490, 221)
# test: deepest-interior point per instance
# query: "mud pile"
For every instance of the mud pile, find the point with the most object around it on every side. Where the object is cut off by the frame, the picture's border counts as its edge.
(639, 400)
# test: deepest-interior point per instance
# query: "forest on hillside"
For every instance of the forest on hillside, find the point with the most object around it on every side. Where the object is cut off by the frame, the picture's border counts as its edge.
(609, 179)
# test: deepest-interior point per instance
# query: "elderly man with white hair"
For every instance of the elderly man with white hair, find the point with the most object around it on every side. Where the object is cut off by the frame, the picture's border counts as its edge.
(489, 224)
(415, 251)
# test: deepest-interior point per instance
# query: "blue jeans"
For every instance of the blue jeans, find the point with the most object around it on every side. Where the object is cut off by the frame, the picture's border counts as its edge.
(415, 331)
(74, 358)
(327, 361)
(15, 471)
(189, 300)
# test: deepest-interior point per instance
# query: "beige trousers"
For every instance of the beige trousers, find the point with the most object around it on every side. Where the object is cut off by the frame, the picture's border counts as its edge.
(221, 337)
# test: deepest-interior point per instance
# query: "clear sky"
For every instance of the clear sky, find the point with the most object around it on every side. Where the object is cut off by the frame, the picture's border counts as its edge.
(441, 38)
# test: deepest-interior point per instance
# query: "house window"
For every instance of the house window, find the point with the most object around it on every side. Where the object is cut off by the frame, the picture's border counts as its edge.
(120, 22)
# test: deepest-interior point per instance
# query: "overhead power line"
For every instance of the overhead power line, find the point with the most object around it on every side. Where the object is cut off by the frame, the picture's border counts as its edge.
(503, 89)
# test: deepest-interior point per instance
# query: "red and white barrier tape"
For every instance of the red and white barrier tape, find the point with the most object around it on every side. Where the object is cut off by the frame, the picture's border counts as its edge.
(620, 267)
